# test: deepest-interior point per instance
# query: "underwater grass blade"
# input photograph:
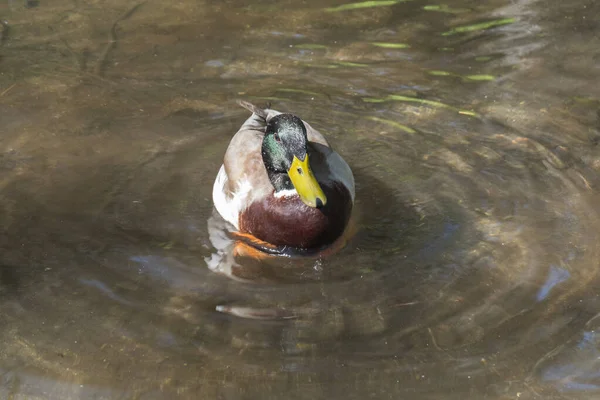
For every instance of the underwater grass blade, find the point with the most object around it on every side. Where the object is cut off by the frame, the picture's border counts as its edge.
(364, 4)
(479, 27)
(391, 45)
(310, 46)
(395, 124)
(290, 90)
(480, 77)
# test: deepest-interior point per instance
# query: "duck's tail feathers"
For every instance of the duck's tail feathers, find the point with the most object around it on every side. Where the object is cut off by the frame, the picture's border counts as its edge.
(254, 109)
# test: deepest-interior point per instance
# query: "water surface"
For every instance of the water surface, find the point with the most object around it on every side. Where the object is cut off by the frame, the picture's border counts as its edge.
(472, 131)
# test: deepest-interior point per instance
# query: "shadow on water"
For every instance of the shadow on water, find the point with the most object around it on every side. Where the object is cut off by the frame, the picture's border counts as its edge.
(9, 279)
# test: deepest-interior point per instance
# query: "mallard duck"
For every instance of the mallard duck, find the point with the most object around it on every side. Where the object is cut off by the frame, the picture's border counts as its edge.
(282, 186)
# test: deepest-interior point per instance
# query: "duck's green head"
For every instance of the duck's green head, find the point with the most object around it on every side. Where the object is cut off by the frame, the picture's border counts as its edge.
(284, 152)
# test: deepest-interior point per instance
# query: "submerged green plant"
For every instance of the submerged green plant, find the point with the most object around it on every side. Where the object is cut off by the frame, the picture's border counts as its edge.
(445, 9)
(290, 90)
(310, 46)
(479, 27)
(326, 66)
(351, 64)
(440, 73)
(465, 77)
(268, 98)
(417, 100)
(395, 124)
(390, 45)
(408, 99)
(364, 4)
(479, 77)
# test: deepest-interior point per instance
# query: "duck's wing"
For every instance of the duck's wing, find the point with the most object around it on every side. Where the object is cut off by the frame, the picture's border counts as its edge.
(242, 178)
(243, 159)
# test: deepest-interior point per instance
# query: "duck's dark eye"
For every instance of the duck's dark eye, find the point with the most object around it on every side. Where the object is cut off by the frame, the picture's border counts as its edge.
(277, 138)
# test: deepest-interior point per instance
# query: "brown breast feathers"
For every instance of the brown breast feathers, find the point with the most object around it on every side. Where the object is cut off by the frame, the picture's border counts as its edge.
(287, 221)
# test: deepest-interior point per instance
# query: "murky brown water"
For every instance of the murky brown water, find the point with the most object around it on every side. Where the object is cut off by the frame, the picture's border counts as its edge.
(472, 130)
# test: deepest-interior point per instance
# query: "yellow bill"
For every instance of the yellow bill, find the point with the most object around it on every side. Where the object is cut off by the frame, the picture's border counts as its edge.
(305, 183)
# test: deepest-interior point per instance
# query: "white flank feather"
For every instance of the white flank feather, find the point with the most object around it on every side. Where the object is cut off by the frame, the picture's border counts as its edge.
(230, 206)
